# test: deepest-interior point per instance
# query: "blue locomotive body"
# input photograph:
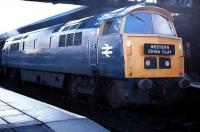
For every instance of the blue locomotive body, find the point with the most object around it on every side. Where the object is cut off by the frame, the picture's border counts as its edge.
(85, 53)
(42, 52)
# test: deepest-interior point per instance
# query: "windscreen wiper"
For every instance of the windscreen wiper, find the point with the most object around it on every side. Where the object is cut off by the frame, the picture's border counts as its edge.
(137, 18)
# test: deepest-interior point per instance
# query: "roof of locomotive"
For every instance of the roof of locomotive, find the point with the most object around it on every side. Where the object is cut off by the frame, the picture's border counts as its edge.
(122, 12)
(136, 8)
(24, 36)
(94, 20)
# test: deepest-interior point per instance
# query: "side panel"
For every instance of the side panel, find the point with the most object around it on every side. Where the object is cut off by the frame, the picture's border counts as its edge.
(110, 56)
(45, 78)
(68, 59)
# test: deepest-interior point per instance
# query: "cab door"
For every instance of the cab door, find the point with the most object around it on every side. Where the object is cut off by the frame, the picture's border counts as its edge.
(92, 43)
(110, 51)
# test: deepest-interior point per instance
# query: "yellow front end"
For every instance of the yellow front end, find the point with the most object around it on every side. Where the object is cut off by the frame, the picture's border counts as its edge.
(134, 56)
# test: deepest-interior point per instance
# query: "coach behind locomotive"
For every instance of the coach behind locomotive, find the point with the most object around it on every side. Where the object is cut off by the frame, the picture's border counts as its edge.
(120, 55)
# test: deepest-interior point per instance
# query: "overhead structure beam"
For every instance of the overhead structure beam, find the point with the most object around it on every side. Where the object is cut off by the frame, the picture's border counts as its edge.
(83, 2)
(175, 6)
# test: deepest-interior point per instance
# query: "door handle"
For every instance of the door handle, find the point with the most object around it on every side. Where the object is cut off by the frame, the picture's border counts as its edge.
(95, 45)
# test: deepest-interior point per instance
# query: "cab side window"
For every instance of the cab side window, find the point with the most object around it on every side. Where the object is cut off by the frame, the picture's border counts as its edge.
(116, 25)
(107, 28)
(112, 26)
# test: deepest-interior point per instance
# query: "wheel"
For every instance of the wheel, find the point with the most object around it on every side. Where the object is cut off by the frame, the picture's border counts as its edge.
(115, 94)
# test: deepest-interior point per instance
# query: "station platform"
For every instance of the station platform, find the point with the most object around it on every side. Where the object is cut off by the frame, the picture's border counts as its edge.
(19, 113)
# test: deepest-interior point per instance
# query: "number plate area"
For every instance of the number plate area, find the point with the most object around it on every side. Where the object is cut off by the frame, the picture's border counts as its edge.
(159, 49)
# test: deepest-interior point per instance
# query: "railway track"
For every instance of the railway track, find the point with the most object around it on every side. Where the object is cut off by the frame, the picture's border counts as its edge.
(135, 118)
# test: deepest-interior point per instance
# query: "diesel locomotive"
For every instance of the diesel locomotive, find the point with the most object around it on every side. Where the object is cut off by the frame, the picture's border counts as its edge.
(123, 56)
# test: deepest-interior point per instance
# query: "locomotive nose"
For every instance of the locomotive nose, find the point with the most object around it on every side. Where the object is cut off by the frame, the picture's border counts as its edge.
(145, 84)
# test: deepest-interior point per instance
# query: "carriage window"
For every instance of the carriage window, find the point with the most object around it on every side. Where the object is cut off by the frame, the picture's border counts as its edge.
(25, 37)
(89, 23)
(56, 30)
(11, 47)
(14, 47)
(139, 23)
(74, 26)
(17, 38)
(62, 40)
(70, 38)
(78, 38)
(17, 46)
(66, 28)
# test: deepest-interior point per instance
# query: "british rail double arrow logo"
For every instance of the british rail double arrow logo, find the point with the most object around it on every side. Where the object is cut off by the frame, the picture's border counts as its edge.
(107, 50)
